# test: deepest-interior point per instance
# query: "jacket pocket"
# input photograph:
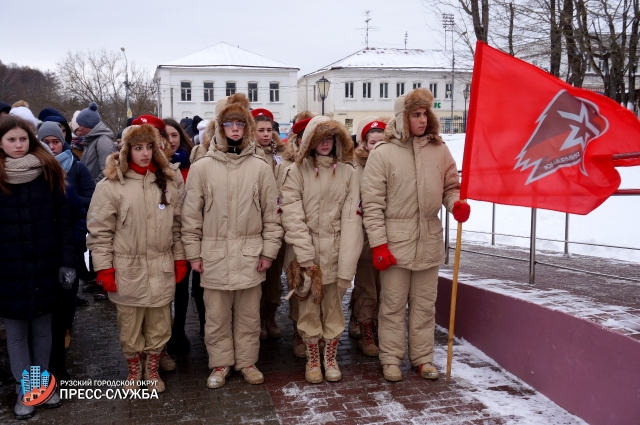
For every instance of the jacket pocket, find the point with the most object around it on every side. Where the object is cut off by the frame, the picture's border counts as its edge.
(215, 267)
(256, 198)
(250, 257)
(208, 198)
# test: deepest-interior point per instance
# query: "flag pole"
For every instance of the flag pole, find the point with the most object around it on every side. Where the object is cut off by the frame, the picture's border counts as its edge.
(454, 294)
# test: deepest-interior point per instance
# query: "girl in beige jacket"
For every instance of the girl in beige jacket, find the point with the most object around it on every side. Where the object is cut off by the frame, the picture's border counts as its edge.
(323, 223)
(135, 243)
(405, 182)
(232, 233)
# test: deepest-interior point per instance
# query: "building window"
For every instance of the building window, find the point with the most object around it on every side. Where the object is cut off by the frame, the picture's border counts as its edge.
(447, 94)
(348, 89)
(417, 85)
(399, 89)
(314, 92)
(433, 88)
(185, 91)
(208, 91)
(384, 90)
(274, 92)
(366, 90)
(231, 88)
(253, 92)
(348, 122)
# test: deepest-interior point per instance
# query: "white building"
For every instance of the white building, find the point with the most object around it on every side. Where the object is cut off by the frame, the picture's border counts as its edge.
(368, 82)
(193, 84)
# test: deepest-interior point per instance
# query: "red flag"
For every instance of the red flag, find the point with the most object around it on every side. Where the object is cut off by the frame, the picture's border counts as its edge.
(536, 141)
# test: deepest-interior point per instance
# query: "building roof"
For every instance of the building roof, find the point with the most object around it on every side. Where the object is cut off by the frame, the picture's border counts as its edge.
(405, 59)
(223, 55)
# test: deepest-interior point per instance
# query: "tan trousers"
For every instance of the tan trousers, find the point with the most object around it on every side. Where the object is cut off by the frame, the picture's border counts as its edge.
(272, 286)
(419, 288)
(143, 329)
(366, 291)
(324, 320)
(232, 327)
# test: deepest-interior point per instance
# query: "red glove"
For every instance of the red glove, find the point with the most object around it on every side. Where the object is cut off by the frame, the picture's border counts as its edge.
(181, 269)
(107, 279)
(461, 211)
(382, 257)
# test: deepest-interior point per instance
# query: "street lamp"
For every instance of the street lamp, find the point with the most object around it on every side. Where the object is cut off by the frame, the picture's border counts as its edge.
(449, 24)
(323, 89)
(465, 94)
(126, 81)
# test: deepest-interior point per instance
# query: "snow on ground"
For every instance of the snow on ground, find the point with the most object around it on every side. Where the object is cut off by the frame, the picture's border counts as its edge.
(503, 393)
(615, 222)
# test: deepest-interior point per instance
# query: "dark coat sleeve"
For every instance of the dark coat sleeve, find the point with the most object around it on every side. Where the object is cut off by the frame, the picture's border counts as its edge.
(86, 185)
(64, 230)
(77, 219)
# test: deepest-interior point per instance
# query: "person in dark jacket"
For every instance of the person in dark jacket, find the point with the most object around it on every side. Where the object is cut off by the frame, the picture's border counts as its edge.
(98, 140)
(77, 174)
(36, 252)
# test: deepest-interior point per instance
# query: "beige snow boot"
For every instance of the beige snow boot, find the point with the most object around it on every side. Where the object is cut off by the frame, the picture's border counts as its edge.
(218, 376)
(367, 341)
(252, 375)
(331, 370)
(428, 371)
(166, 362)
(151, 365)
(272, 327)
(312, 372)
(134, 364)
(392, 372)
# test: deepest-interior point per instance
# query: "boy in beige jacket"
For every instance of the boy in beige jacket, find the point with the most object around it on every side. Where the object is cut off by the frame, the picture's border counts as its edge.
(405, 182)
(232, 233)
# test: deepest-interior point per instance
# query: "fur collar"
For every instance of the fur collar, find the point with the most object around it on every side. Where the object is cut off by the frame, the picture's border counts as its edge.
(320, 127)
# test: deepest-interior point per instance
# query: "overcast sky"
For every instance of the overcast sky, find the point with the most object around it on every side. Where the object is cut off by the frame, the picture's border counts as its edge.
(305, 34)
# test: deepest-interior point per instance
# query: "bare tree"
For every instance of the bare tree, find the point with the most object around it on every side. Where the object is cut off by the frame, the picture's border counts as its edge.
(98, 76)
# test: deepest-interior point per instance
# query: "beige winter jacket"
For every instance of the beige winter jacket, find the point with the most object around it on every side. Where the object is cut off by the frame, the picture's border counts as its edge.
(230, 217)
(403, 187)
(320, 213)
(129, 232)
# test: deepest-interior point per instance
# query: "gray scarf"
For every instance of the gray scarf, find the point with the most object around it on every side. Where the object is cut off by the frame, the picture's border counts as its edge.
(22, 170)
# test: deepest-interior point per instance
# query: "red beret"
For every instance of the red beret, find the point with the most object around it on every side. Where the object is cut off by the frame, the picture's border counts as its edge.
(373, 124)
(262, 111)
(300, 126)
(149, 119)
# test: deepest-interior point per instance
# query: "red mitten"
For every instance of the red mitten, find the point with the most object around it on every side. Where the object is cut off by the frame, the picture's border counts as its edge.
(461, 211)
(107, 279)
(181, 269)
(382, 257)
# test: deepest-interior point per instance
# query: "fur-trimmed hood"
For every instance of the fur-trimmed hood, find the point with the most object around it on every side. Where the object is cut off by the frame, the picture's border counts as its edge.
(320, 127)
(293, 143)
(398, 128)
(235, 109)
(117, 163)
(361, 155)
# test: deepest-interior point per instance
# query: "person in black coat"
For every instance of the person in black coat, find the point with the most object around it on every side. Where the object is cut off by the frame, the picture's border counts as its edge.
(36, 252)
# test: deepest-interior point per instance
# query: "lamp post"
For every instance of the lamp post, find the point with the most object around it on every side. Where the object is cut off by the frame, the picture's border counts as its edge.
(465, 94)
(448, 23)
(323, 89)
(126, 81)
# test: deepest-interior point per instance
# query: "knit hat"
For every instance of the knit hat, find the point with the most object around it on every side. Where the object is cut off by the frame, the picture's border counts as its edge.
(89, 117)
(50, 114)
(24, 113)
(5, 107)
(194, 124)
(49, 128)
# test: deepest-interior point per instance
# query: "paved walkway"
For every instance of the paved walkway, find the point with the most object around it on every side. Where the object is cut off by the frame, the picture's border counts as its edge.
(480, 392)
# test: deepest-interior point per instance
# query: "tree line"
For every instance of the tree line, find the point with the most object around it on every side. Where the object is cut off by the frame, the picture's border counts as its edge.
(574, 37)
(78, 79)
